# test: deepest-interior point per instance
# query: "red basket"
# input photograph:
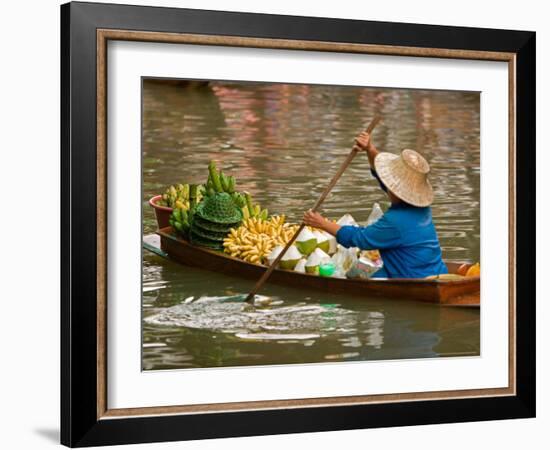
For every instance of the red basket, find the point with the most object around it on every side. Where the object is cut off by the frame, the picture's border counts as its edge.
(162, 212)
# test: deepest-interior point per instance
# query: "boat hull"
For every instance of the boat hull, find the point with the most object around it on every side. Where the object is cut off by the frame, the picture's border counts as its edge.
(453, 293)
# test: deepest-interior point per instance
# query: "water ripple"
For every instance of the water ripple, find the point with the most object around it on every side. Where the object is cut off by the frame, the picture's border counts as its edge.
(292, 322)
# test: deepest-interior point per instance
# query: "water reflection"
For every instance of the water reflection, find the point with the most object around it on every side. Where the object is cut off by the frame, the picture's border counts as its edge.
(282, 142)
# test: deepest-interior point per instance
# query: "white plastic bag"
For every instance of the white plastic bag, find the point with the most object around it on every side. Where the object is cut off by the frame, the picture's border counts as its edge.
(343, 260)
(363, 267)
(347, 219)
(375, 214)
(346, 260)
(365, 264)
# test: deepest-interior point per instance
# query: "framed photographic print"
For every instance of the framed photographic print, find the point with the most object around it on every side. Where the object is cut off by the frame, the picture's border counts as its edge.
(276, 224)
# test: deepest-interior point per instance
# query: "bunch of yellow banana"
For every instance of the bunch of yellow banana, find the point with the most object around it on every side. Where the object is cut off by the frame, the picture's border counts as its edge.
(255, 238)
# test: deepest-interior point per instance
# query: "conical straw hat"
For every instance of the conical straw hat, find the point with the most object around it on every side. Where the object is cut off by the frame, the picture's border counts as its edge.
(406, 176)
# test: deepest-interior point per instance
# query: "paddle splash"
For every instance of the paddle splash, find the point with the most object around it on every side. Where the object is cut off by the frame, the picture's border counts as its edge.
(268, 319)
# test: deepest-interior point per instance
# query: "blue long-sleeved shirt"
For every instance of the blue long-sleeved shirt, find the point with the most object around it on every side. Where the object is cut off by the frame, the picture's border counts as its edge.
(406, 238)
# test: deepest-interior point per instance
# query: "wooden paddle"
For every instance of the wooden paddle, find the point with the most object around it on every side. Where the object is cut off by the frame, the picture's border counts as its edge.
(327, 190)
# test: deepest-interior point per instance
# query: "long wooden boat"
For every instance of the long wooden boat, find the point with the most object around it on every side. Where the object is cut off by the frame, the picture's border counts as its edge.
(463, 292)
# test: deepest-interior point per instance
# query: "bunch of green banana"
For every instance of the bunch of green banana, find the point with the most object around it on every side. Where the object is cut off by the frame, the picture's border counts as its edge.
(180, 220)
(218, 181)
(239, 199)
(249, 210)
(196, 193)
(179, 196)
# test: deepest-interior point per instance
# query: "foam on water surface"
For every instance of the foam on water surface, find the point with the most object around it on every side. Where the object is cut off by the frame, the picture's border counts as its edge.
(269, 320)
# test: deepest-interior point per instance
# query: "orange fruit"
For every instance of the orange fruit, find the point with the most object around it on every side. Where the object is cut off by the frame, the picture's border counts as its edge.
(474, 271)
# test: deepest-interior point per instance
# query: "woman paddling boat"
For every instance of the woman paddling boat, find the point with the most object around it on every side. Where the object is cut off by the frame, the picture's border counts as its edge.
(405, 235)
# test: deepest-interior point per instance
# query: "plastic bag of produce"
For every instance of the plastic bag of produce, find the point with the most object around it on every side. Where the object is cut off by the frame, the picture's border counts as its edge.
(369, 261)
(343, 260)
(375, 214)
(347, 219)
(364, 266)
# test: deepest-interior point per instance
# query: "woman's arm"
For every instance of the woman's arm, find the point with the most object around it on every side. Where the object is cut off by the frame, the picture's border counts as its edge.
(364, 143)
(382, 234)
(316, 220)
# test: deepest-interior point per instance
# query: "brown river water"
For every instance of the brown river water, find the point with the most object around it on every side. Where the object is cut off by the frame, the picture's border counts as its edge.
(283, 143)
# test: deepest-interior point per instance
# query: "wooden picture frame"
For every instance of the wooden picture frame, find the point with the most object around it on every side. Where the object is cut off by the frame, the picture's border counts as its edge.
(85, 416)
